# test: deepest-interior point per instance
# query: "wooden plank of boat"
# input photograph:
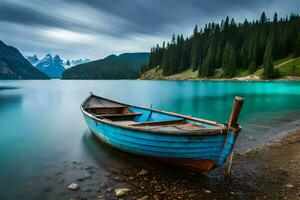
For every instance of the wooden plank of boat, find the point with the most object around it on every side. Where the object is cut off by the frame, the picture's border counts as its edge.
(190, 142)
(118, 115)
(161, 123)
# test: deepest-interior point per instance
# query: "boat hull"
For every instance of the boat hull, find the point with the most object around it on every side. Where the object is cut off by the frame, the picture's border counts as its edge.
(198, 153)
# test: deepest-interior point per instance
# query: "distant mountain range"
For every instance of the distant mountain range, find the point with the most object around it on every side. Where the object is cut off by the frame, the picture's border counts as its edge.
(124, 66)
(14, 66)
(53, 66)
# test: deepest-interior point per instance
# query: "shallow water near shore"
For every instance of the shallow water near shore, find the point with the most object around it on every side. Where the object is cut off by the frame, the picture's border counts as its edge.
(44, 139)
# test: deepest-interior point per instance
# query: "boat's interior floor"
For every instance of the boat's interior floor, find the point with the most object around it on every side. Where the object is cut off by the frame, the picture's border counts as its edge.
(125, 116)
(172, 125)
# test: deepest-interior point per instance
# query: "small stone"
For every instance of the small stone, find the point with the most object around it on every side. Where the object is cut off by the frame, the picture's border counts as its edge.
(143, 172)
(291, 161)
(251, 138)
(289, 185)
(232, 193)
(207, 191)
(122, 192)
(155, 197)
(100, 197)
(73, 186)
(146, 197)
(117, 178)
(131, 178)
(248, 151)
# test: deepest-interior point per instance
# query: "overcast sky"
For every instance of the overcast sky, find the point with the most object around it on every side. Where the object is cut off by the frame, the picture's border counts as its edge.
(96, 28)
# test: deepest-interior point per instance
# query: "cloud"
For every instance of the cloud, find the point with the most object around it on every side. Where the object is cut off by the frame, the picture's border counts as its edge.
(67, 36)
(95, 28)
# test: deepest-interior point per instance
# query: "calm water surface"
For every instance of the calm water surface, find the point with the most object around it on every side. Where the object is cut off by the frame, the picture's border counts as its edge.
(41, 124)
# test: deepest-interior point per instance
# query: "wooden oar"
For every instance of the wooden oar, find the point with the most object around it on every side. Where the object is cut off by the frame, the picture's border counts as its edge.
(236, 109)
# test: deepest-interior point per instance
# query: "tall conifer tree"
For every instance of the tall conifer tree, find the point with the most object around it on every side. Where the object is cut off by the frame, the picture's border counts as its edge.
(268, 61)
(297, 47)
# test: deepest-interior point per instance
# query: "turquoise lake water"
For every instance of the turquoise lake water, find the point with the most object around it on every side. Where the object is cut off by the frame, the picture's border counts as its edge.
(41, 124)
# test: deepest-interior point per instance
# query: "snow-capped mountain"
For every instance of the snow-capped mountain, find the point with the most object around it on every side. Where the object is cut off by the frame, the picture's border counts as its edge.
(32, 59)
(53, 66)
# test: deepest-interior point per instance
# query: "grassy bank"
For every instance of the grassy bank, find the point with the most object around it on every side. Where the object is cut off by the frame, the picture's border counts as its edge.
(289, 68)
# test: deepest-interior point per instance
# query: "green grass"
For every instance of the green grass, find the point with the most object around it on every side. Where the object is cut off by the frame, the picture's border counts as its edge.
(242, 73)
(288, 70)
(277, 62)
(219, 73)
(187, 74)
(155, 73)
(260, 71)
(285, 67)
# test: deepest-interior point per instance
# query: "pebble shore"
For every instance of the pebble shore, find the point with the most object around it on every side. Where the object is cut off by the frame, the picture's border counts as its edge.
(270, 172)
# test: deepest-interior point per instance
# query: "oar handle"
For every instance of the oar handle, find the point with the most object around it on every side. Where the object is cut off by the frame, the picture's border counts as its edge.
(236, 109)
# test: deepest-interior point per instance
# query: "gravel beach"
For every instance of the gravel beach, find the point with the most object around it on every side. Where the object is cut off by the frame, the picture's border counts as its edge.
(269, 172)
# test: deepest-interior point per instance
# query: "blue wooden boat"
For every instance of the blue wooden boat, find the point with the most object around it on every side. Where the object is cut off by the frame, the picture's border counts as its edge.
(197, 144)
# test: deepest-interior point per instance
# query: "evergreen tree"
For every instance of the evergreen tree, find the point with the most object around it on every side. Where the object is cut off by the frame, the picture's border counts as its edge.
(207, 67)
(217, 45)
(252, 66)
(229, 60)
(186, 55)
(263, 18)
(269, 71)
(253, 54)
(195, 32)
(195, 55)
(297, 47)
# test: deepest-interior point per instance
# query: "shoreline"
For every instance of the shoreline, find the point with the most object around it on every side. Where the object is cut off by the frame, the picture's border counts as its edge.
(237, 79)
(268, 172)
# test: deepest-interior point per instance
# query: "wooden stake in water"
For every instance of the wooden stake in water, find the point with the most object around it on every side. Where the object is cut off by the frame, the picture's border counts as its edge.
(232, 124)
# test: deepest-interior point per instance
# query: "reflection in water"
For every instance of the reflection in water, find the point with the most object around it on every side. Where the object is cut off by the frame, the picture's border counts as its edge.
(42, 126)
(111, 159)
(9, 100)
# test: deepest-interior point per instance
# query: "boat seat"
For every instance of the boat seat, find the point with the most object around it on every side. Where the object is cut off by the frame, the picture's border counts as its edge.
(161, 123)
(126, 122)
(118, 115)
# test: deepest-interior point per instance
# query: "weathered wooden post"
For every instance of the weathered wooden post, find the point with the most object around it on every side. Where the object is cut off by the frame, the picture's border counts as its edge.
(232, 124)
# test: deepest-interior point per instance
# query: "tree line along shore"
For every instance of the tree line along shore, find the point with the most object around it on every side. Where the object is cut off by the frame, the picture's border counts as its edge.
(229, 49)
